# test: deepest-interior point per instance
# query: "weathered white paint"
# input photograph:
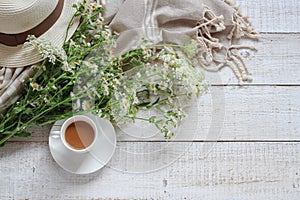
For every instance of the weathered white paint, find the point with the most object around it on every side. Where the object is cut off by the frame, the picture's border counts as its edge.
(231, 170)
(276, 62)
(273, 15)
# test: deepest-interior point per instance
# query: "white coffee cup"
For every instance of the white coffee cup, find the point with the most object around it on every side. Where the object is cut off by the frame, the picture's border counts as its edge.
(79, 134)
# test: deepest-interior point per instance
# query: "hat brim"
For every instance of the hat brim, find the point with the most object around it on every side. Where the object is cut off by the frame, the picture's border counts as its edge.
(20, 56)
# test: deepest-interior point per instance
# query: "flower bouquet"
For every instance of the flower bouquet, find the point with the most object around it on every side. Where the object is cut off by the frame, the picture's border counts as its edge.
(85, 76)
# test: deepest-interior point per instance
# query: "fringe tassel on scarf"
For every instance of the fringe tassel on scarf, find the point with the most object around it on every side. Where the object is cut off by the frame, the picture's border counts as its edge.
(209, 46)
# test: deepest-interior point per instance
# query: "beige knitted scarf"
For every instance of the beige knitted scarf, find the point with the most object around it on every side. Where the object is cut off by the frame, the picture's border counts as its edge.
(216, 25)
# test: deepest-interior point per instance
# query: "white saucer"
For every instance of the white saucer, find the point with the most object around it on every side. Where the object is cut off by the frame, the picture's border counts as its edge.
(89, 162)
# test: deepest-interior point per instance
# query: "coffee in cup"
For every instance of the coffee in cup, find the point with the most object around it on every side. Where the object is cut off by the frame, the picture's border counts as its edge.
(79, 133)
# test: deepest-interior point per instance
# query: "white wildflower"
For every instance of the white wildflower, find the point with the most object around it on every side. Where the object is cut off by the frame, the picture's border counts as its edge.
(138, 75)
(86, 105)
(128, 89)
(163, 85)
(93, 67)
(91, 90)
(147, 52)
(117, 95)
(153, 88)
(72, 43)
(125, 103)
(46, 100)
(67, 68)
(106, 33)
(35, 86)
(46, 49)
(167, 58)
(54, 87)
(100, 113)
(115, 83)
(106, 89)
(77, 104)
(135, 100)
(170, 100)
(35, 104)
(72, 65)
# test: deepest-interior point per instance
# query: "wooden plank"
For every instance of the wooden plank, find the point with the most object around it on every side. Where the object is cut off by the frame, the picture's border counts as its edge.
(273, 15)
(247, 113)
(264, 113)
(228, 171)
(276, 62)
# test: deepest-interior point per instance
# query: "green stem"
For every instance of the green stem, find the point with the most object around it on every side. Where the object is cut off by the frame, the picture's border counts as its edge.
(7, 137)
(69, 26)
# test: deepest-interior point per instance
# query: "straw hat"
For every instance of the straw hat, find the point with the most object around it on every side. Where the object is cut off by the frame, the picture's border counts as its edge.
(48, 19)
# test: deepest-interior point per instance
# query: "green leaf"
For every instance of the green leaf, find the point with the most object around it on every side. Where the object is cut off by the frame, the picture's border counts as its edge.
(23, 134)
(154, 103)
(145, 104)
(17, 110)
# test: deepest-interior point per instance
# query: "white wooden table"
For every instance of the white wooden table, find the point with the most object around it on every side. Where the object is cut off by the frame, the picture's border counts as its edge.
(257, 155)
